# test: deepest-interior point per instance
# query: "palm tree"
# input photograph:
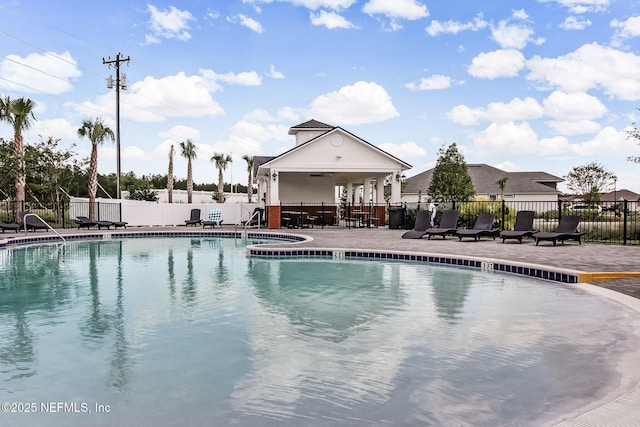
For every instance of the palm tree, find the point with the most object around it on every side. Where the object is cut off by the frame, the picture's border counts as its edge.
(19, 114)
(221, 161)
(502, 183)
(170, 176)
(249, 160)
(97, 132)
(188, 151)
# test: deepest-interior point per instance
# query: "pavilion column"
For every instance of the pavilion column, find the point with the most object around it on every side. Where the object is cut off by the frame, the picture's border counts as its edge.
(368, 191)
(273, 209)
(395, 187)
(349, 193)
(380, 189)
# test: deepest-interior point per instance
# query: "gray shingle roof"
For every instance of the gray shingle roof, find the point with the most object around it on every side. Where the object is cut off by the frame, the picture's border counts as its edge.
(485, 177)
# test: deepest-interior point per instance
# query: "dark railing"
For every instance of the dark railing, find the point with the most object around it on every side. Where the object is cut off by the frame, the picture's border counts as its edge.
(603, 222)
(305, 215)
(60, 215)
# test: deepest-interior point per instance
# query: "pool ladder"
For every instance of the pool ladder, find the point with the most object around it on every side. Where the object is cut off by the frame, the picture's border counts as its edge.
(24, 220)
(247, 225)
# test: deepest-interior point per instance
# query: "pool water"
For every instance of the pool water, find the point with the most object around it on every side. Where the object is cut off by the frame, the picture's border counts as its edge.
(190, 331)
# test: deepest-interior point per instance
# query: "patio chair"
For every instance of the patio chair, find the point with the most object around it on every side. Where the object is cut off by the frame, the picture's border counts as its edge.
(567, 230)
(32, 223)
(214, 218)
(482, 227)
(448, 225)
(194, 218)
(84, 221)
(522, 228)
(11, 226)
(423, 221)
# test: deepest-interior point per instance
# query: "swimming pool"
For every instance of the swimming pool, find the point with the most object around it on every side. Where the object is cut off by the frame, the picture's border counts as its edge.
(189, 331)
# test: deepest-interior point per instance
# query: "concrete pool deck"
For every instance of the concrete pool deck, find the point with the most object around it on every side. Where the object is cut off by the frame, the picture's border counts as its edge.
(613, 269)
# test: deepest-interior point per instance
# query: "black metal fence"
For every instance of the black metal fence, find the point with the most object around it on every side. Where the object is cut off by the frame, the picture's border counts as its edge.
(60, 215)
(604, 222)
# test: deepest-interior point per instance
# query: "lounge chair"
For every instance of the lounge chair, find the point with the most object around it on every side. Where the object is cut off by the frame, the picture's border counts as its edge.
(482, 227)
(567, 230)
(84, 221)
(522, 228)
(448, 225)
(194, 218)
(32, 223)
(11, 226)
(423, 221)
(214, 218)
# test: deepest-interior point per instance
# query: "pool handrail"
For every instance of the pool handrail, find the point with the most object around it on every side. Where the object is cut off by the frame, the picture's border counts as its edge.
(43, 221)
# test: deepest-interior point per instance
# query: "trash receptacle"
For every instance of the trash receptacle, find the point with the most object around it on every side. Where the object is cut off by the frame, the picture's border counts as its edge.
(396, 218)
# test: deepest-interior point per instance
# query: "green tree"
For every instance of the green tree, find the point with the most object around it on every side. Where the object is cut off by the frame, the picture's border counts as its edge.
(170, 177)
(188, 151)
(634, 134)
(589, 181)
(502, 184)
(97, 132)
(50, 171)
(19, 114)
(221, 161)
(450, 181)
(249, 160)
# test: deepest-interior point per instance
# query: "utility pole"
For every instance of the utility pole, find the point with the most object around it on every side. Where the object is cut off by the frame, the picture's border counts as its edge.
(121, 82)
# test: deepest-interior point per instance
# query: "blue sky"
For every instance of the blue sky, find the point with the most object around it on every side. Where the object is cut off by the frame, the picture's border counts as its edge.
(540, 85)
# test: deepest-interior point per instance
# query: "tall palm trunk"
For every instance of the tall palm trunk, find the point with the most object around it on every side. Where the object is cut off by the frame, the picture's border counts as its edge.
(93, 181)
(170, 177)
(249, 187)
(19, 172)
(220, 186)
(189, 181)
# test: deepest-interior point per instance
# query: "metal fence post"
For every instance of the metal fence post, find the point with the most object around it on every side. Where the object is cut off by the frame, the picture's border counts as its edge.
(624, 224)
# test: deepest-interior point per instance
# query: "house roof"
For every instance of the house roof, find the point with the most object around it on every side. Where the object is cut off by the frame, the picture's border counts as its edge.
(485, 177)
(310, 125)
(314, 124)
(622, 194)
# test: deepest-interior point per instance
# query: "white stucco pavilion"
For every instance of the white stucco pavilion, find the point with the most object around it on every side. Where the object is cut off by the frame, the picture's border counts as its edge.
(325, 157)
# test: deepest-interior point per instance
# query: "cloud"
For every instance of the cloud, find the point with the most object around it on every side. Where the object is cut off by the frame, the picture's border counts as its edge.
(626, 29)
(570, 128)
(615, 72)
(246, 78)
(499, 63)
(398, 9)
(516, 109)
(247, 22)
(24, 75)
(171, 24)
(510, 35)
(274, 74)
(454, 27)
(312, 4)
(435, 82)
(407, 150)
(55, 128)
(609, 142)
(573, 106)
(581, 6)
(575, 23)
(517, 139)
(362, 102)
(155, 100)
(331, 20)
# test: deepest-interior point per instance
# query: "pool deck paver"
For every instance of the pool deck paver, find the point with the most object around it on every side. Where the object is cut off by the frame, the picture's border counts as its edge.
(614, 265)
